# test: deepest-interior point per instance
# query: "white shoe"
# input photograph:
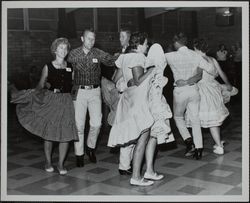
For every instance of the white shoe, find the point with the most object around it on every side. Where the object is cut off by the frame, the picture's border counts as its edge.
(141, 182)
(49, 169)
(62, 171)
(219, 150)
(221, 143)
(155, 176)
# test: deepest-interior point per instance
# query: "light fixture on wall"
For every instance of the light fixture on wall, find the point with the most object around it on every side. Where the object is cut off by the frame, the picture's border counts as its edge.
(224, 16)
(225, 11)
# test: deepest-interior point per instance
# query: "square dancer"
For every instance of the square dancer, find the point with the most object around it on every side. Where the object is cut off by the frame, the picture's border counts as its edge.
(86, 92)
(184, 64)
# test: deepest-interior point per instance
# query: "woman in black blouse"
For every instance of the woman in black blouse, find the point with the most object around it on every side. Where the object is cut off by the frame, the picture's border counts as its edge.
(49, 113)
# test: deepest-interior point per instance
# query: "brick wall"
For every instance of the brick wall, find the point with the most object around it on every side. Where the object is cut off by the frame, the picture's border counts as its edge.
(218, 34)
(164, 26)
(27, 49)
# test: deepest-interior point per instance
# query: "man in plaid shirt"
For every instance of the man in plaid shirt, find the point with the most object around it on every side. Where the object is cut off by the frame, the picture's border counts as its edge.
(87, 93)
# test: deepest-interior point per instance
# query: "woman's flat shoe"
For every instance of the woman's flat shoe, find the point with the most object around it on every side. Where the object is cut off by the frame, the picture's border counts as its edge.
(62, 171)
(49, 169)
(218, 150)
(141, 182)
(155, 176)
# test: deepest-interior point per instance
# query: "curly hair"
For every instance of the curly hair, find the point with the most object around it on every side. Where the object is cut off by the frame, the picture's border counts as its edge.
(57, 42)
(201, 45)
(135, 40)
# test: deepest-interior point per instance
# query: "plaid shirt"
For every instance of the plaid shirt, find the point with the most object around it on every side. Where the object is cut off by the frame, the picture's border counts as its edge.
(87, 69)
(184, 63)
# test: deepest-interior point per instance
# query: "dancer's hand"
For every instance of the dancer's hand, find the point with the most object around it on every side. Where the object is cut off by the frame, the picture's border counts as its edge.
(131, 83)
(229, 87)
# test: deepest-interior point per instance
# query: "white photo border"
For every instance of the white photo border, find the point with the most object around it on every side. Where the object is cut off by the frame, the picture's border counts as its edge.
(120, 4)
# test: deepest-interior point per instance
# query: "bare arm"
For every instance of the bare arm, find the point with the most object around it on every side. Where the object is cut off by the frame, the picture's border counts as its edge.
(222, 75)
(43, 78)
(139, 76)
(117, 75)
(190, 80)
(195, 78)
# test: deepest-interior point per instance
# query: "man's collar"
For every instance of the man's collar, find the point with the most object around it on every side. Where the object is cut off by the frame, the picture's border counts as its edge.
(82, 48)
(124, 48)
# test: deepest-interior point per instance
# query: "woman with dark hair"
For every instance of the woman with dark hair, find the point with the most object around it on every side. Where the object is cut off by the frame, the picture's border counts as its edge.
(212, 111)
(133, 118)
(49, 113)
(221, 56)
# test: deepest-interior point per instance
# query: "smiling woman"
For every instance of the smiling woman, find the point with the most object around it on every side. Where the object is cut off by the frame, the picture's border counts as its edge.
(49, 113)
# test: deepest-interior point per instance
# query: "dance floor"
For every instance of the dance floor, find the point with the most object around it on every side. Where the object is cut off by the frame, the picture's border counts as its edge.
(212, 175)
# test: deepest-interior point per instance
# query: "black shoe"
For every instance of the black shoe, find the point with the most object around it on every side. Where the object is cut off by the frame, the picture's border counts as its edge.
(91, 153)
(114, 150)
(79, 161)
(189, 147)
(198, 153)
(125, 172)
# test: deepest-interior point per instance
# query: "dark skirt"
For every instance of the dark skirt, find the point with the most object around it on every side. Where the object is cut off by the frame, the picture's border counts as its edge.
(46, 114)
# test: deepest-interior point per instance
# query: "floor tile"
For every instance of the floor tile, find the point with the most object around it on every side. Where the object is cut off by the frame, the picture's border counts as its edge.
(212, 175)
(189, 189)
(206, 173)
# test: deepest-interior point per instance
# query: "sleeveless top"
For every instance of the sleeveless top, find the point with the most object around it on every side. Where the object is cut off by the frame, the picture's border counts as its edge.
(60, 78)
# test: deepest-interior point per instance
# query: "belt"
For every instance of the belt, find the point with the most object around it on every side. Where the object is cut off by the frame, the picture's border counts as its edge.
(58, 91)
(88, 87)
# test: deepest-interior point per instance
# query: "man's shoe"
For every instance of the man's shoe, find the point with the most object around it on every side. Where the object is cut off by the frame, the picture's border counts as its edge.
(125, 172)
(189, 147)
(80, 161)
(91, 153)
(114, 150)
(198, 153)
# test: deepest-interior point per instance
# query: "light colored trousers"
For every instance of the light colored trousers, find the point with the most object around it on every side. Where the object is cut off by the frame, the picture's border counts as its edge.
(88, 100)
(126, 156)
(188, 98)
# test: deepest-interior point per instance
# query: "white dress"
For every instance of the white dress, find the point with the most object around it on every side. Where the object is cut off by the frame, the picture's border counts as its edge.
(142, 107)
(212, 109)
(133, 115)
(110, 95)
(159, 107)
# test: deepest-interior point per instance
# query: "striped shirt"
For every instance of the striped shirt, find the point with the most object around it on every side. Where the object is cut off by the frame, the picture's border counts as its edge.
(87, 70)
(184, 63)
